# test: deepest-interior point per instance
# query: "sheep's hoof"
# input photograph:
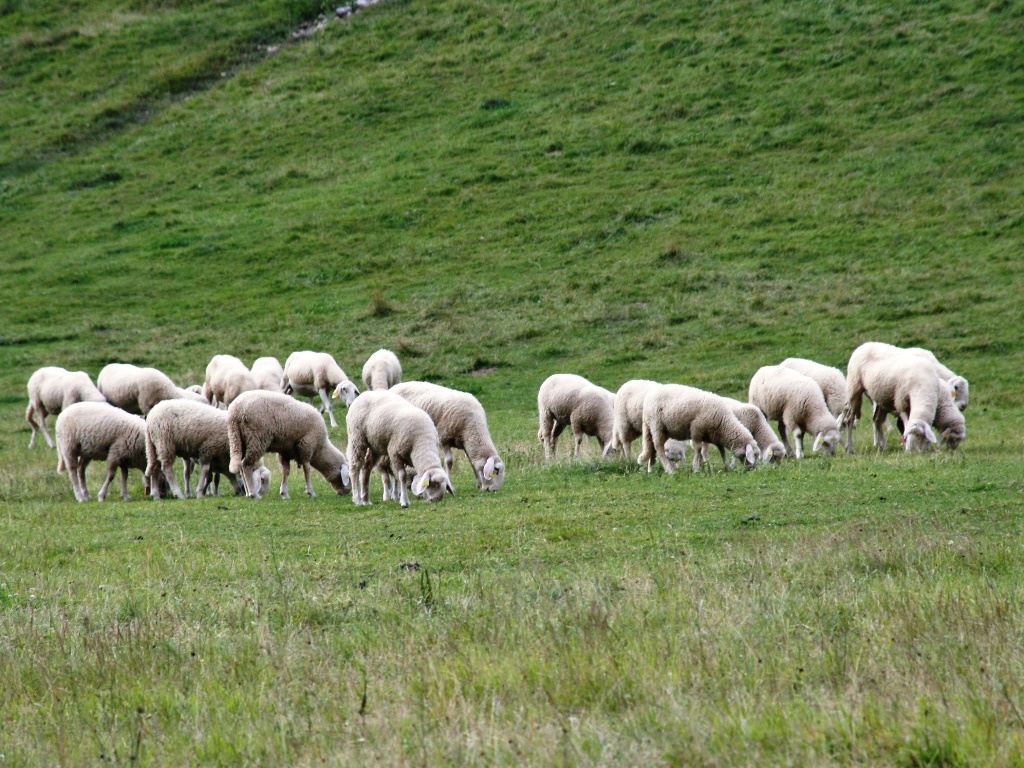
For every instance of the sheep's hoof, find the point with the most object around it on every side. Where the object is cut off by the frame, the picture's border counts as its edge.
(311, 494)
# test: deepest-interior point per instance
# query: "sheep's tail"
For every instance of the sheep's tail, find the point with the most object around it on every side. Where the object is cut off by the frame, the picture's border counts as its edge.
(152, 463)
(236, 445)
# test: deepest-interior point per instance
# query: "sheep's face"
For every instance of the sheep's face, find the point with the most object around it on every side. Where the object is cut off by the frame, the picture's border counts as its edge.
(262, 476)
(827, 442)
(432, 485)
(675, 450)
(953, 436)
(342, 482)
(747, 455)
(918, 435)
(492, 476)
(960, 392)
(774, 454)
(347, 391)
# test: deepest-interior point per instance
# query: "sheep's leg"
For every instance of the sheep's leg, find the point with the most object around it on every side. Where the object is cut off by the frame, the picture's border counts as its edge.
(449, 461)
(658, 442)
(71, 463)
(403, 490)
(111, 471)
(204, 481)
(82, 466)
(544, 433)
(699, 454)
(784, 437)
(189, 466)
(36, 417)
(124, 484)
(728, 460)
(309, 482)
(248, 479)
(286, 468)
(878, 421)
(168, 470)
(798, 438)
(216, 483)
(364, 477)
(327, 406)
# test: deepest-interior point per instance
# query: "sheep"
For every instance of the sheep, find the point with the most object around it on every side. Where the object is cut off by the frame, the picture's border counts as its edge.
(260, 421)
(226, 378)
(315, 373)
(92, 430)
(51, 390)
(381, 423)
(907, 385)
(686, 413)
(798, 404)
(267, 372)
(136, 390)
(382, 370)
(833, 387)
(959, 385)
(628, 414)
(461, 423)
(565, 399)
(751, 417)
(199, 434)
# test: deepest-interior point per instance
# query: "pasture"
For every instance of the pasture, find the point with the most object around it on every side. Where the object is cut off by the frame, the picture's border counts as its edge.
(498, 192)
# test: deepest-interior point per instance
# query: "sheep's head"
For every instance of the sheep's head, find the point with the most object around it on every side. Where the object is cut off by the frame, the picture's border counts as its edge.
(262, 476)
(432, 484)
(342, 482)
(917, 435)
(675, 450)
(960, 391)
(774, 454)
(826, 440)
(347, 391)
(492, 475)
(953, 436)
(747, 454)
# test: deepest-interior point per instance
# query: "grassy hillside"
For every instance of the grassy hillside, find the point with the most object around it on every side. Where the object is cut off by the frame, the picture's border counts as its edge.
(497, 192)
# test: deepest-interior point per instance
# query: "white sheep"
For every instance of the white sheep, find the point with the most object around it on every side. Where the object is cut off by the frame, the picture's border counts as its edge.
(199, 435)
(50, 391)
(797, 403)
(136, 390)
(687, 413)
(92, 431)
(261, 422)
(382, 370)
(751, 417)
(267, 372)
(907, 385)
(381, 423)
(565, 399)
(833, 387)
(461, 423)
(959, 385)
(310, 374)
(226, 378)
(628, 414)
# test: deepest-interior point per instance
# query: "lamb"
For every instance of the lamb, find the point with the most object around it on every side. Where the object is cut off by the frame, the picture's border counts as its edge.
(260, 421)
(382, 370)
(564, 400)
(751, 417)
(136, 390)
(686, 413)
(628, 414)
(199, 434)
(798, 404)
(92, 430)
(267, 372)
(226, 378)
(315, 373)
(909, 386)
(51, 390)
(461, 423)
(959, 385)
(381, 423)
(833, 387)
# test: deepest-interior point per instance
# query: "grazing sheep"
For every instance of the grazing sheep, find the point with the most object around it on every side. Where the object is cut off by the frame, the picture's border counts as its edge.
(686, 413)
(833, 387)
(136, 390)
(92, 431)
(960, 387)
(382, 370)
(908, 386)
(50, 391)
(199, 435)
(565, 400)
(267, 372)
(381, 423)
(628, 414)
(751, 417)
(226, 378)
(316, 373)
(261, 422)
(461, 423)
(798, 404)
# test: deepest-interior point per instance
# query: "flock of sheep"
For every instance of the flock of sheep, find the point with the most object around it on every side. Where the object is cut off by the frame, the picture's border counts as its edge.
(802, 396)
(138, 418)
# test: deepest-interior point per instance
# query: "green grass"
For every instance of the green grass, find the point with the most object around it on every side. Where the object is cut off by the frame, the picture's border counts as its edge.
(498, 192)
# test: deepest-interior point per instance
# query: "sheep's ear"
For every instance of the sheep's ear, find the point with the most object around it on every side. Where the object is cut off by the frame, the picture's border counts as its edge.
(817, 442)
(448, 486)
(929, 435)
(766, 457)
(346, 477)
(751, 454)
(419, 485)
(489, 469)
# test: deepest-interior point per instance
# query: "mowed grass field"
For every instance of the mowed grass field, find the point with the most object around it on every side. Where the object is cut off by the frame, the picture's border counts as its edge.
(498, 192)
